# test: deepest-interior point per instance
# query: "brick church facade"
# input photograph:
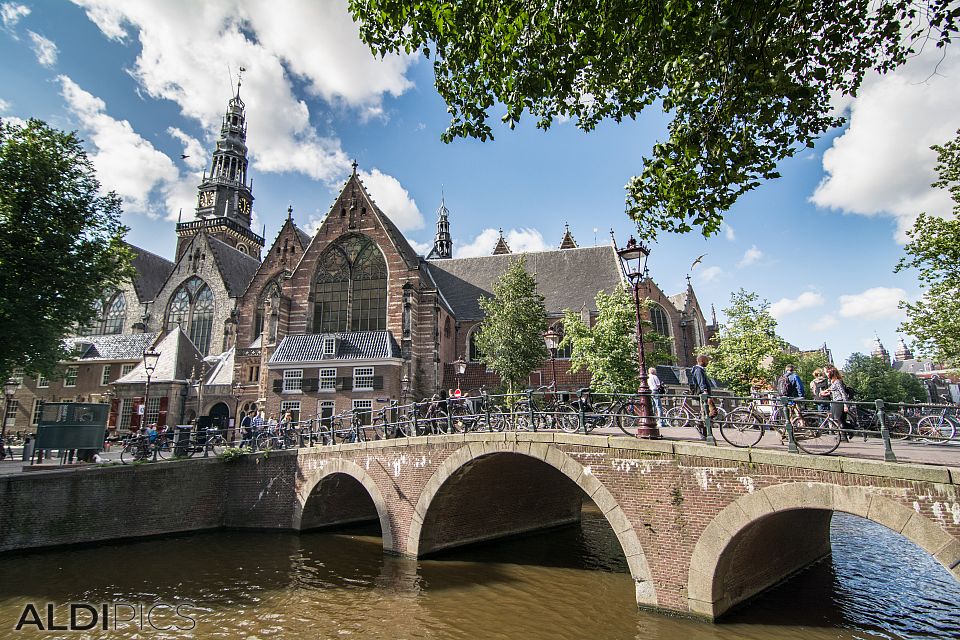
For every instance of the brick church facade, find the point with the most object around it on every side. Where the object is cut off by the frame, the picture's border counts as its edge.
(317, 324)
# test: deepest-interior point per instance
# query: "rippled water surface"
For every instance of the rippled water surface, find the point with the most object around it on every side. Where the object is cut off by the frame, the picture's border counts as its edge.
(569, 583)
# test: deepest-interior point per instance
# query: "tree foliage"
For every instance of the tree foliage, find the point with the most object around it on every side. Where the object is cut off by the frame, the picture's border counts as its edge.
(608, 349)
(61, 243)
(874, 378)
(746, 84)
(510, 339)
(804, 364)
(747, 345)
(934, 251)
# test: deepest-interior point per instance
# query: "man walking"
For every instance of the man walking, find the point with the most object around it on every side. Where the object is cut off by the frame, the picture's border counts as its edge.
(700, 382)
(789, 385)
(246, 429)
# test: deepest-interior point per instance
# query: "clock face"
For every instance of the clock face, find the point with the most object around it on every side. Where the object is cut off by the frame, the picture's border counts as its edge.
(243, 205)
(207, 198)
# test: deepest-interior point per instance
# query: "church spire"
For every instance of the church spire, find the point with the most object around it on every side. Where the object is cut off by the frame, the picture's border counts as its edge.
(502, 246)
(568, 242)
(442, 242)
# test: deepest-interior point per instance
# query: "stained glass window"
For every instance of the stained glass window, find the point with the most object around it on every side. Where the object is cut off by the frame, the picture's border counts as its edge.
(192, 308)
(351, 287)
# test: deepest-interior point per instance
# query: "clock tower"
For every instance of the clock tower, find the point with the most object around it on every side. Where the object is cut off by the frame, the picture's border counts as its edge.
(225, 197)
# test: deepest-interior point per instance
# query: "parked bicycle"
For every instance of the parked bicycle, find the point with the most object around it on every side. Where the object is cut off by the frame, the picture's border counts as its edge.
(816, 433)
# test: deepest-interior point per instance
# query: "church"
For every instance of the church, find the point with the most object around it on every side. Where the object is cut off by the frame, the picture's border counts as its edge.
(321, 324)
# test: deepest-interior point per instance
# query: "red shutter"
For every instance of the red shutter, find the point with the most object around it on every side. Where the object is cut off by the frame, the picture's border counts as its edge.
(135, 417)
(162, 416)
(114, 413)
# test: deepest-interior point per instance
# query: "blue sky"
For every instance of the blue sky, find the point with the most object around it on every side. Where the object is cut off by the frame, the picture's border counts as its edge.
(146, 81)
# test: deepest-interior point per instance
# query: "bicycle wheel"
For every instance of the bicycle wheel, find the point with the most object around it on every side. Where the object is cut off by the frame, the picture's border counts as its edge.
(741, 428)
(166, 449)
(265, 442)
(217, 444)
(131, 453)
(566, 418)
(378, 429)
(936, 429)
(818, 436)
(898, 425)
(677, 417)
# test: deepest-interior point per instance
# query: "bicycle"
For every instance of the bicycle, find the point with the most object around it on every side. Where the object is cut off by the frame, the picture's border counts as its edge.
(278, 437)
(595, 414)
(866, 420)
(937, 428)
(813, 432)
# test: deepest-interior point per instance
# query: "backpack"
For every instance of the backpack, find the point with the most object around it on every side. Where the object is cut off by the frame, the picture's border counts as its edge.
(851, 392)
(787, 387)
(694, 389)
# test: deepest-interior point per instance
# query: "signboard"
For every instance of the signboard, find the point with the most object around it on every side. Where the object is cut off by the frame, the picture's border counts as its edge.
(72, 425)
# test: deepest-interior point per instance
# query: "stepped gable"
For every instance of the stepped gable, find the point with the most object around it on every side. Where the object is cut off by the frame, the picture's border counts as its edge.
(566, 278)
(152, 272)
(236, 267)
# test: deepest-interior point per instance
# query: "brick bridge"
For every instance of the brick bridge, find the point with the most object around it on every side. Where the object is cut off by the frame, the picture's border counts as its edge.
(702, 528)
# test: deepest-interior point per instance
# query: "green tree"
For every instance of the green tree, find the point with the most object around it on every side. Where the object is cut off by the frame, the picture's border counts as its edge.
(747, 344)
(510, 338)
(934, 251)
(61, 243)
(746, 84)
(608, 349)
(874, 378)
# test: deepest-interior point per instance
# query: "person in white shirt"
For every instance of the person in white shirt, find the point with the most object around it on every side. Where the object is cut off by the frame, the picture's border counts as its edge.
(656, 391)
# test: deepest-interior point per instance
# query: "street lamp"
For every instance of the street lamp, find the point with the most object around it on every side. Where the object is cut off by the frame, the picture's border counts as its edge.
(150, 358)
(460, 367)
(237, 394)
(9, 388)
(634, 258)
(552, 341)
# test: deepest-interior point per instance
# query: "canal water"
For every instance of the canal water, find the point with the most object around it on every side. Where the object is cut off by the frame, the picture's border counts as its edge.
(570, 583)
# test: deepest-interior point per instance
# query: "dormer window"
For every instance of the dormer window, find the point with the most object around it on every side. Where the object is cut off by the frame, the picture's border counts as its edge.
(329, 347)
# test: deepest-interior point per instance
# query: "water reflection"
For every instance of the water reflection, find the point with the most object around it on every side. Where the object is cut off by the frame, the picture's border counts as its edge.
(567, 583)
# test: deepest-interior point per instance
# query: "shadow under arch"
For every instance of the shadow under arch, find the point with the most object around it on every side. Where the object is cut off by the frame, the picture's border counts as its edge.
(764, 537)
(342, 467)
(558, 461)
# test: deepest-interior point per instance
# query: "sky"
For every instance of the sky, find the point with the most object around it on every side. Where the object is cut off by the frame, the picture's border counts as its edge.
(146, 82)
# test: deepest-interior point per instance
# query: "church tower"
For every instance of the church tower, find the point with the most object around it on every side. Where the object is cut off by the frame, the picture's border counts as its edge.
(442, 243)
(879, 351)
(225, 198)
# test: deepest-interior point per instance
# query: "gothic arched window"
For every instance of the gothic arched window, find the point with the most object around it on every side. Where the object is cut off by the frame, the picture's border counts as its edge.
(351, 287)
(659, 320)
(113, 319)
(473, 351)
(191, 307)
(271, 290)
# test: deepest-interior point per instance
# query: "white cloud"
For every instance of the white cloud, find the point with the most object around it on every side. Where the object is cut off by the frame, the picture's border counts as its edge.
(186, 46)
(882, 164)
(393, 199)
(786, 306)
(878, 302)
(824, 322)
(728, 231)
(192, 148)
(709, 274)
(422, 248)
(750, 256)
(125, 161)
(519, 241)
(11, 12)
(44, 48)
(4, 105)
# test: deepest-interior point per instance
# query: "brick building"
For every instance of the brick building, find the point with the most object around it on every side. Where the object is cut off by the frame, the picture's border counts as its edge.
(323, 323)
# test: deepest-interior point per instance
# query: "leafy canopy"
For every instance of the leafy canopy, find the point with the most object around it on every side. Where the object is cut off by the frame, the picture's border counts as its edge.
(747, 345)
(746, 84)
(510, 339)
(874, 378)
(934, 251)
(608, 349)
(61, 243)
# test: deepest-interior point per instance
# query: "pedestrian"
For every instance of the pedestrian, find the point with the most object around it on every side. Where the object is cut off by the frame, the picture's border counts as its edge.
(789, 385)
(656, 393)
(837, 392)
(818, 385)
(246, 428)
(700, 383)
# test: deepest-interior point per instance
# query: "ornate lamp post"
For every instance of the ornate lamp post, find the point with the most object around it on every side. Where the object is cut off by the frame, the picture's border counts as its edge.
(460, 367)
(552, 341)
(634, 258)
(150, 358)
(9, 388)
(237, 394)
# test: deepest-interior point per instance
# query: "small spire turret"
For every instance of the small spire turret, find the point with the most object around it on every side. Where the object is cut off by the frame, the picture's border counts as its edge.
(567, 242)
(442, 242)
(502, 246)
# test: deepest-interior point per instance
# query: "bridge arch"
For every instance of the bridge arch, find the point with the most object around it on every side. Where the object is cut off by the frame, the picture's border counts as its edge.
(351, 475)
(750, 528)
(550, 458)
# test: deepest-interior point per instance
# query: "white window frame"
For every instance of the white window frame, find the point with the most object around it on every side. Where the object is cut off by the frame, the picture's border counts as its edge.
(42, 381)
(17, 375)
(105, 375)
(151, 411)
(124, 415)
(328, 380)
(361, 372)
(126, 368)
(326, 404)
(10, 413)
(329, 347)
(290, 405)
(73, 372)
(35, 412)
(292, 380)
(366, 406)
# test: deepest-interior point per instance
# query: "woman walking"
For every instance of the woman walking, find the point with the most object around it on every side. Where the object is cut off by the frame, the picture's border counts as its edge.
(837, 393)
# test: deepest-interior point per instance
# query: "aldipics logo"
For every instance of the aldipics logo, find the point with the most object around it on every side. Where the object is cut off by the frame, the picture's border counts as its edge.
(112, 616)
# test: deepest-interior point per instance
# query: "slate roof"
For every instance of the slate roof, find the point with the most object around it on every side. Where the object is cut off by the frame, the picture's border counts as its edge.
(567, 279)
(112, 347)
(152, 272)
(304, 237)
(360, 345)
(237, 268)
(178, 359)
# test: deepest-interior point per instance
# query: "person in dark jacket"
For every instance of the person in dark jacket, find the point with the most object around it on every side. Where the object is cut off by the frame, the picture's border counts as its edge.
(701, 382)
